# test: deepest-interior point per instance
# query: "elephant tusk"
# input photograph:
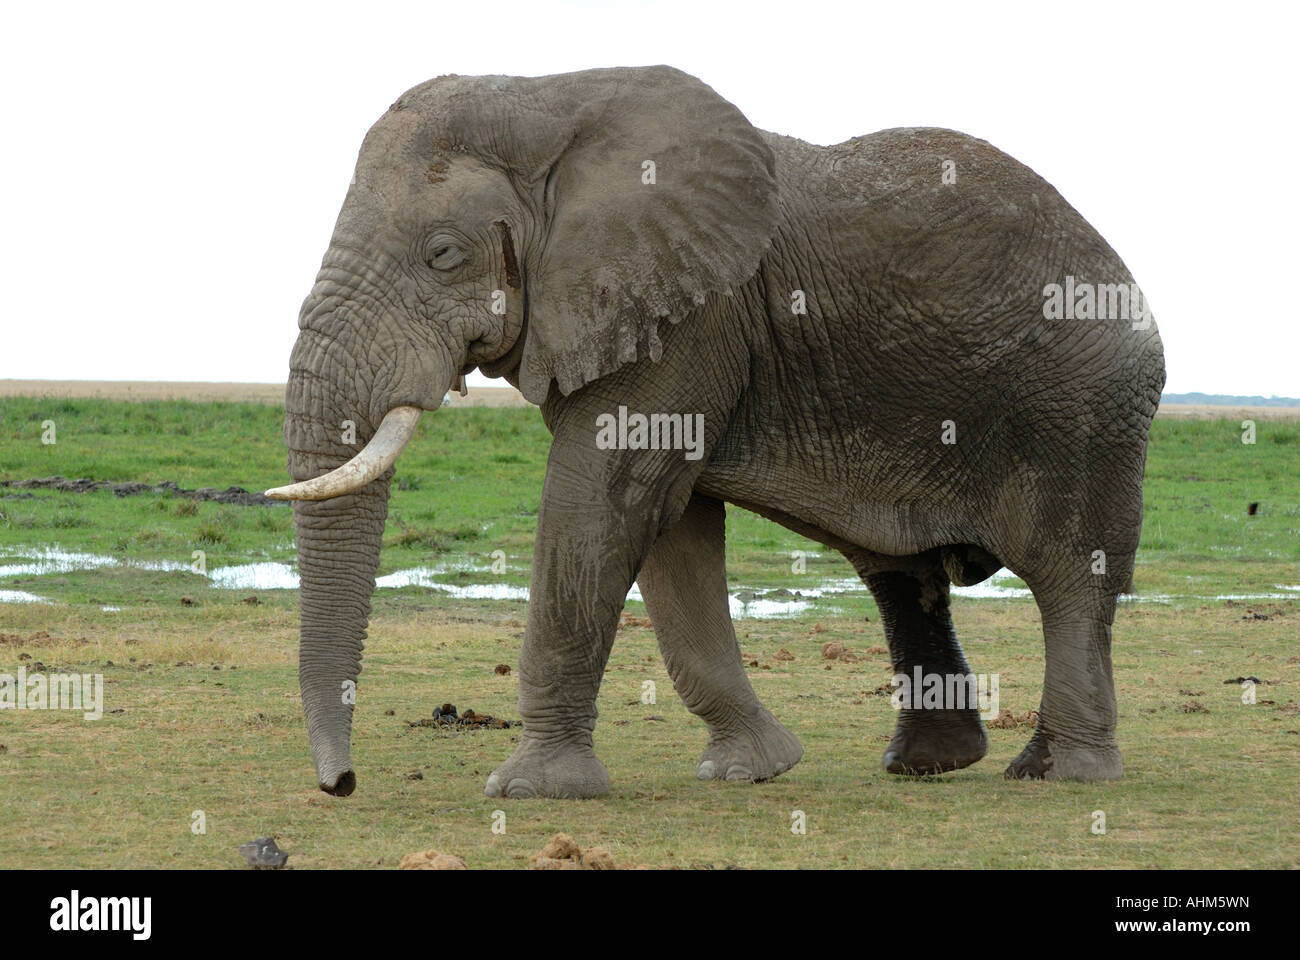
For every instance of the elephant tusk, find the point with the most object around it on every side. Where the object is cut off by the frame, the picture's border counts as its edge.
(375, 457)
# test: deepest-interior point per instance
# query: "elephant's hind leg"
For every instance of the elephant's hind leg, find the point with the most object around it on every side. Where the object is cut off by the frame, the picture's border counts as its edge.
(1075, 736)
(929, 738)
(684, 584)
(1076, 575)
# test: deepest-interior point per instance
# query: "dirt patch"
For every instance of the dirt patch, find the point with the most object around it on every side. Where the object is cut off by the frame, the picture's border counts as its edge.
(1006, 720)
(41, 638)
(834, 650)
(236, 496)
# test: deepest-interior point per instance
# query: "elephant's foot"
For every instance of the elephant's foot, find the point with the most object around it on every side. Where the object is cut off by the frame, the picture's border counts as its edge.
(935, 741)
(759, 748)
(1046, 758)
(540, 769)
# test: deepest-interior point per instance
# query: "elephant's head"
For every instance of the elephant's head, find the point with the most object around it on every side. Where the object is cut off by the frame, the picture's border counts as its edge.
(535, 228)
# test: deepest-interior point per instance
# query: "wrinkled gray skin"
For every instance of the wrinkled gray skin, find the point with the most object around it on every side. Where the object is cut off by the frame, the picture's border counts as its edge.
(924, 304)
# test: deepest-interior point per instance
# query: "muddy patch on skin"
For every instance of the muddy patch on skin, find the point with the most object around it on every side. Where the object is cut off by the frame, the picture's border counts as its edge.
(236, 496)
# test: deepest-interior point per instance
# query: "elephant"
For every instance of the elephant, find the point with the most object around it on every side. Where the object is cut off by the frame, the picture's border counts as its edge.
(868, 341)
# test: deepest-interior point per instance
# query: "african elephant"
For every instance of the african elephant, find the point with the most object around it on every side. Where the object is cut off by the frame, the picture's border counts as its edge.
(862, 334)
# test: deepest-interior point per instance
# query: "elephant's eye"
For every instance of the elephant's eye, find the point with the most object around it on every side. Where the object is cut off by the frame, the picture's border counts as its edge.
(444, 255)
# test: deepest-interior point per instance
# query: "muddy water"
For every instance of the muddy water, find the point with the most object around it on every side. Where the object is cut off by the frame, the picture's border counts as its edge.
(744, 603)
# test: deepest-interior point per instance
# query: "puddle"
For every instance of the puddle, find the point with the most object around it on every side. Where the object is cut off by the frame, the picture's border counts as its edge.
(994, 588)
(424, 577)
(744, 603)
(20, 596)
(255, 576)
(50, 560)
(766, 609)
(1255, 596)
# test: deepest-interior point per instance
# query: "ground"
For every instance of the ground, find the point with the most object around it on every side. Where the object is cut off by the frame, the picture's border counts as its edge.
(203, 722)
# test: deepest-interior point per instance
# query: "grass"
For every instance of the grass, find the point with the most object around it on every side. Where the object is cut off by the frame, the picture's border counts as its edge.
(1209, 782)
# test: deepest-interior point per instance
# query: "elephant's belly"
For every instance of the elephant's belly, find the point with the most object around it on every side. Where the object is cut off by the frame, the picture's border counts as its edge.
(831, 512)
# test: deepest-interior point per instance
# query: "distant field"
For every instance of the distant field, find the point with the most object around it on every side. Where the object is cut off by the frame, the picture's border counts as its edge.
(502, 395)
(108, 587)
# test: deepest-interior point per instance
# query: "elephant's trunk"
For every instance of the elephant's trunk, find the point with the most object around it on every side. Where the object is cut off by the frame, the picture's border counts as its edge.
(338, 554)
(329, 395)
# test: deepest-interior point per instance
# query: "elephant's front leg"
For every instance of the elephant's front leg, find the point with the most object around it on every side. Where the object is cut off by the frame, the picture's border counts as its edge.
(600, 512)
(684, 584)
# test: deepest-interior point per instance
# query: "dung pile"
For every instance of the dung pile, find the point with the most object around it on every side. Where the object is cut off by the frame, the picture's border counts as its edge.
(562, 853)
(446, 716)
(431, 860)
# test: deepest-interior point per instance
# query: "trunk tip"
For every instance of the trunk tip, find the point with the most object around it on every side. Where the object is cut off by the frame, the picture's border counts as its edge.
(342, 786)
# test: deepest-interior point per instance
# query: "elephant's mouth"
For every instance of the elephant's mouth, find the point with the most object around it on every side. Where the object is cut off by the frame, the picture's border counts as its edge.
(395, 431)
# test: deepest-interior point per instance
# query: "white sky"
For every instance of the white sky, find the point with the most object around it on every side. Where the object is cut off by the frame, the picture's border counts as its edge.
(171, 176)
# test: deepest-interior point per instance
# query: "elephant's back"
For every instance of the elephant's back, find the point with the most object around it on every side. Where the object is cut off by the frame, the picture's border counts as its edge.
(949, 243)
(934, 285)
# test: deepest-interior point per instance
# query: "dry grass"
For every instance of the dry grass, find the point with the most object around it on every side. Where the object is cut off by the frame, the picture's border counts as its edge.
(1204, 789)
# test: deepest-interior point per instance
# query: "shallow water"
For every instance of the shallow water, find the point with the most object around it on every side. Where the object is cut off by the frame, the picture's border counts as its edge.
(53, 560)
(255, 576)
(20, 596)
(744, 603)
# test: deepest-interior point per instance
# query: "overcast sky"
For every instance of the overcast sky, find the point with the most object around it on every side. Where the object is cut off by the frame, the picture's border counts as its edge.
(171, 175)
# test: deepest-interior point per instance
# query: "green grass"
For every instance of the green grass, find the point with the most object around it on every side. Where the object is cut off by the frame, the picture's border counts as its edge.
(469, 485)
(1201, 789)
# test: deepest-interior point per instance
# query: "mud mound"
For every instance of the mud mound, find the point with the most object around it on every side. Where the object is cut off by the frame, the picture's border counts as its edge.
(236, 496)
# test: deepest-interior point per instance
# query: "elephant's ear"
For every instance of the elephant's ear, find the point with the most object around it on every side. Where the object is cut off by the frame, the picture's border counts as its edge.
(664, 194)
